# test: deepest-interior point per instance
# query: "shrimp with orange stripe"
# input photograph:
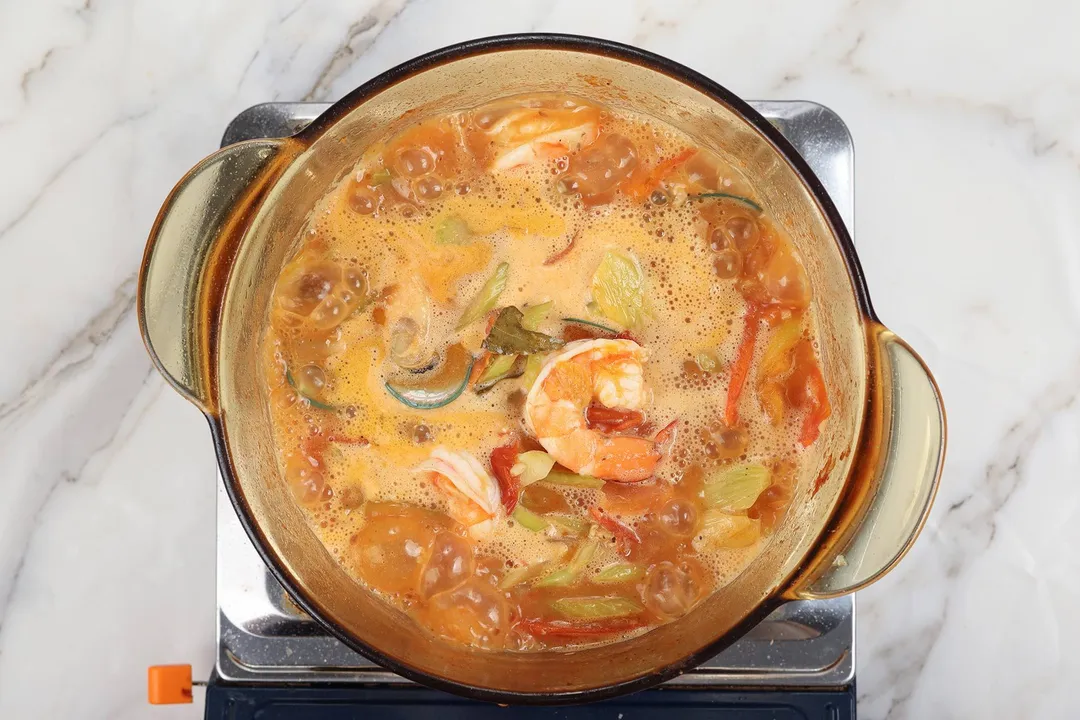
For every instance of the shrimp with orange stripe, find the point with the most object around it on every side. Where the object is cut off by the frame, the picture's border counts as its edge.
(607, 371)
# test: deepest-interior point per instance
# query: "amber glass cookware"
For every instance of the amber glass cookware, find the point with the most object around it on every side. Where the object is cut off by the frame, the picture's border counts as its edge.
(231, 223)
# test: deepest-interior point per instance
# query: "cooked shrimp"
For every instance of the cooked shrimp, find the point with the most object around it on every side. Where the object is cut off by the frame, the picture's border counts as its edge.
(472, 494)
(520, 132)
(609, 371)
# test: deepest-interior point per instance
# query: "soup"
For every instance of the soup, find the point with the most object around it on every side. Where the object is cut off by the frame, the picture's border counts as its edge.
(542, 374)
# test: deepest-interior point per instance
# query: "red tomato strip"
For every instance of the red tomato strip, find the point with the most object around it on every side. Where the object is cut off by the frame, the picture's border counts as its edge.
(820, 409)
(609, 420)
(562, 253)
(626, 538)
(564, 628)
(741, 369)
(502, 459)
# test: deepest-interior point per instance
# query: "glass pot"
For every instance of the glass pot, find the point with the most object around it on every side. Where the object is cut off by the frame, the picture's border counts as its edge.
(228, 227)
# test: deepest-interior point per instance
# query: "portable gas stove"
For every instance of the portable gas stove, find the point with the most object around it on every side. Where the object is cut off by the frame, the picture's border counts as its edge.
(274, 661)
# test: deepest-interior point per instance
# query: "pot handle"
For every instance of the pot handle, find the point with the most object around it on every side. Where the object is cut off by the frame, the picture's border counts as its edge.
(181, 281)
(892, 486)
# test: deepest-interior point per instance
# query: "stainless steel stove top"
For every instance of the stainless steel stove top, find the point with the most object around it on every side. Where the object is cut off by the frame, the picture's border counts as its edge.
(264, 637)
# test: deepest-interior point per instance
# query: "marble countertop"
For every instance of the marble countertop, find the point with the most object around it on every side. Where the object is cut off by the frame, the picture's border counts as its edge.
(965, 118)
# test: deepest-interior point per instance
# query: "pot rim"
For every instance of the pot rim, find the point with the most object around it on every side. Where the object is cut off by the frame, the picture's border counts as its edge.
(618, 51)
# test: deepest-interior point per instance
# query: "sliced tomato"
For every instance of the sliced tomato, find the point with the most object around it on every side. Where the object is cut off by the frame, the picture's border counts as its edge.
(609, 420)
(502, 460)
(806, 390)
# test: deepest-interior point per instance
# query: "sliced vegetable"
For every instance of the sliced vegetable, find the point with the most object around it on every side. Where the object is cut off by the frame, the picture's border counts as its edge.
(741, 368)
(508, 337)
(440, 388)
(596, 608)
(566, 629)
(775, 365)
(728, 196)
(618, 289)
(707, 361)
(310, 400)
(570, 573)
(532, 466)
(533, 315)
(572, 524)
(533, 366)
(722, 529)
(737, 488)
(517, 576)
(777, 358)
(452, 231)
(379, 177)
(502, 367)
(529, 520)
(485, 300)
(569, 479)
(504, 458)
(590, 323)
(619, 573)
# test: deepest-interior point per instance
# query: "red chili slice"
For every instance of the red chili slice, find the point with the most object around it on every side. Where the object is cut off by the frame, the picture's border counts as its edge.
(502, 460)
(741, 368)
(626, 538)
(562, 253)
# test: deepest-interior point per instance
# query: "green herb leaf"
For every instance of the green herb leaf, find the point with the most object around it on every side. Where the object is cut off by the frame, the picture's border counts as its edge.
(502, 367)
(619, 573)
(508, 337)
(485, 300)
(737, 488)
(618, 289)
(728, 196)
(452, 230)
(596, 608)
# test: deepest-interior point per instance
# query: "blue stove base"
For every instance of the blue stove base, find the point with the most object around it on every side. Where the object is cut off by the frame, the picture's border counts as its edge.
(259, 702)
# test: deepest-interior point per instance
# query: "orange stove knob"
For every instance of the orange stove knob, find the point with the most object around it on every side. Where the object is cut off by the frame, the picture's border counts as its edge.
(169, 684)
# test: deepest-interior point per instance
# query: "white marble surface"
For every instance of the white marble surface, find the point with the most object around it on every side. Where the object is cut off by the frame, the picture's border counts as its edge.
(966, 117)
